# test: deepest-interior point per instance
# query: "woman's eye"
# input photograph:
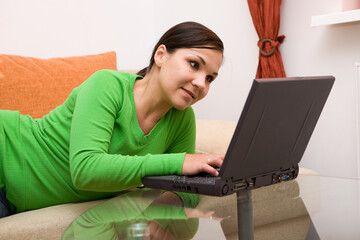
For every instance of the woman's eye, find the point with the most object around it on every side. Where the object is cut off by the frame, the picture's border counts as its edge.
(194, 65)
(209, 78)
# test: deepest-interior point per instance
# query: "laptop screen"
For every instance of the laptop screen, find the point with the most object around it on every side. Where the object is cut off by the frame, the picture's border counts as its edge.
(276, 124)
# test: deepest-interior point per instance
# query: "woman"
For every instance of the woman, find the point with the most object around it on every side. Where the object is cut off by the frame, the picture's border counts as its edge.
(113, 129)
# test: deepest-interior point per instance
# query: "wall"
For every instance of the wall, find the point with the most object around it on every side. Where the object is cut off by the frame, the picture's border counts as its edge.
(326, 50)
(52, 28)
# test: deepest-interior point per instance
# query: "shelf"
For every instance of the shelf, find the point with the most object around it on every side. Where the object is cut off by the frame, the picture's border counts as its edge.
(336, 18)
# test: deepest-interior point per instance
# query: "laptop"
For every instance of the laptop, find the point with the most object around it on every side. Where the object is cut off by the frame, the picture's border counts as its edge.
(273, 131)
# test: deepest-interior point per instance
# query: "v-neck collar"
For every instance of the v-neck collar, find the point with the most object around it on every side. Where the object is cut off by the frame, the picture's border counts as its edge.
(137, 129)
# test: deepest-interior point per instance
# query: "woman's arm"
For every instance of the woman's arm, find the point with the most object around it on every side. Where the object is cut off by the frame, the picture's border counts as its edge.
(98, 102)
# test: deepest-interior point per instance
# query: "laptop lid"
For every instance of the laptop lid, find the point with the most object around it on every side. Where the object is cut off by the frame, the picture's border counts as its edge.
(275, 126)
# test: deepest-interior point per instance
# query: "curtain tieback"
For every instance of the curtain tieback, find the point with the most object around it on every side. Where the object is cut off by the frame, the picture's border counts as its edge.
(273, 43)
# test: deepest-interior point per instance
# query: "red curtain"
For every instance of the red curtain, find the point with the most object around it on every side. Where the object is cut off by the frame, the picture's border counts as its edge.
(266, 18)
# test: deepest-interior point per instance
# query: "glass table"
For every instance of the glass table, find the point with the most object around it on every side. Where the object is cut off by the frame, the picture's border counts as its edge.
(310, 207)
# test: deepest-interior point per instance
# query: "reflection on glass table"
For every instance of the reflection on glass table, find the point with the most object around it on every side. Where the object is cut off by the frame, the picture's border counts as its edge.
(274, 212)
(141, 214)
(310, 207)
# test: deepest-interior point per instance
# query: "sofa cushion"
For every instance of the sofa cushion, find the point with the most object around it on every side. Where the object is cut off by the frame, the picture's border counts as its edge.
(35, 86)
(213, 136)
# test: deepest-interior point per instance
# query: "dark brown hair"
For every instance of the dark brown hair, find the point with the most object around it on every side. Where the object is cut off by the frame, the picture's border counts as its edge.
(186, 35)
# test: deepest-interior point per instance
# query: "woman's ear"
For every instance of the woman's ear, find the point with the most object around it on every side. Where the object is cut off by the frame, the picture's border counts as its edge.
(160, 55)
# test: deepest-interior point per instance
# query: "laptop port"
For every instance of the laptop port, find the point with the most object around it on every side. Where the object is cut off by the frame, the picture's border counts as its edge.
(276, 179)
(284, 177)
(240, 186)
(281, 177)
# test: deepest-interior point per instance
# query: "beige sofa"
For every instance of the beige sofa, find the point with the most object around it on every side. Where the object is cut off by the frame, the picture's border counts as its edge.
(50, 82)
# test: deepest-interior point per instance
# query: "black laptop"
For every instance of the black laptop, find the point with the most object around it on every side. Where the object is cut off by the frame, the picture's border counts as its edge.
(269, 141)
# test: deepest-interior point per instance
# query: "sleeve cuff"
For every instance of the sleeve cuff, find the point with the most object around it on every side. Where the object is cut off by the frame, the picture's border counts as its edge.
(164, 164)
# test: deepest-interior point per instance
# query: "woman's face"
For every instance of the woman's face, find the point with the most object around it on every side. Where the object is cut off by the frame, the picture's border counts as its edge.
(186, 74)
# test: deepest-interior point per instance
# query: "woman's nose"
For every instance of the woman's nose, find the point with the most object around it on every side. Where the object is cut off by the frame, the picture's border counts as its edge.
(199, 82)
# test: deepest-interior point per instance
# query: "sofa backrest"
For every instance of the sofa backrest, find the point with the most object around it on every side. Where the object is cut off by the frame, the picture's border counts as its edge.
(36, 86)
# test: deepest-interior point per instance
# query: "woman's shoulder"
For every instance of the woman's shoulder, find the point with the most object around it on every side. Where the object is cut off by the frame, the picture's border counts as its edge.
(111, 79)
(114, 74)
(186, 116)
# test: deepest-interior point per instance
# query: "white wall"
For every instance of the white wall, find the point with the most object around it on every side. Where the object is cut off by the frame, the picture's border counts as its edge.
(326, 50)
(53, 28)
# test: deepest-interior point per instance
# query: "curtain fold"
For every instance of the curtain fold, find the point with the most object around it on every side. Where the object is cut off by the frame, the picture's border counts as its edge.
(266, 18)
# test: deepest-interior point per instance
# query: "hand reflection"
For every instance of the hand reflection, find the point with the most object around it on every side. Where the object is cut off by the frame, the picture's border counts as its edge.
(158, 233)
(198, 213)
(171, 198)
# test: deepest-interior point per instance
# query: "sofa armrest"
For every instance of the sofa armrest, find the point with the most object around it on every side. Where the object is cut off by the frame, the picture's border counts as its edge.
(46, 223)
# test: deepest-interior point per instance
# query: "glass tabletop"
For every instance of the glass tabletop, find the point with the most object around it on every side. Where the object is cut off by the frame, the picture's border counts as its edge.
(310, 207)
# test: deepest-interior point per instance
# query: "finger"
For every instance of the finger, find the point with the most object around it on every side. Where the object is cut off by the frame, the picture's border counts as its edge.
(155, 230)
(218, 156)
(219, 162)
(209, 169)
(215, 162)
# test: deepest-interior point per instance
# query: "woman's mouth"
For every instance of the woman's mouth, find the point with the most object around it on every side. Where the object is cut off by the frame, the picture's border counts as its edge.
(189, 93)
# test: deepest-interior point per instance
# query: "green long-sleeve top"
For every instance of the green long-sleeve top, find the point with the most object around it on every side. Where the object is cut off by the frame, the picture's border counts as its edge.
(90, 147)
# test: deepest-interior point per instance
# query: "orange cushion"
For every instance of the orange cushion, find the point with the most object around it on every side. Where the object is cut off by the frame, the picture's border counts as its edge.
(36, 86)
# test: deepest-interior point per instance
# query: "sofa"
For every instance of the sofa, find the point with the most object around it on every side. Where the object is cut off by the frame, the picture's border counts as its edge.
(35, 86)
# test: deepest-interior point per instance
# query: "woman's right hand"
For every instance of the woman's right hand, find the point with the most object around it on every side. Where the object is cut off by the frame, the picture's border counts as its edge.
(197, 163)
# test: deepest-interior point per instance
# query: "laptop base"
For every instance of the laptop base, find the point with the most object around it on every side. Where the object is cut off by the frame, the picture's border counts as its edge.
(215, 186)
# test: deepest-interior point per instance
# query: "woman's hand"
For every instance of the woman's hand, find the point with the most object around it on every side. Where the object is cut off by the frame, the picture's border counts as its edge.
(198, 213)
(197, 163)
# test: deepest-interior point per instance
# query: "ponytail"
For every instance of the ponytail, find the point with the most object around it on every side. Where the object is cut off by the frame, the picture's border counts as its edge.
(142, 72)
